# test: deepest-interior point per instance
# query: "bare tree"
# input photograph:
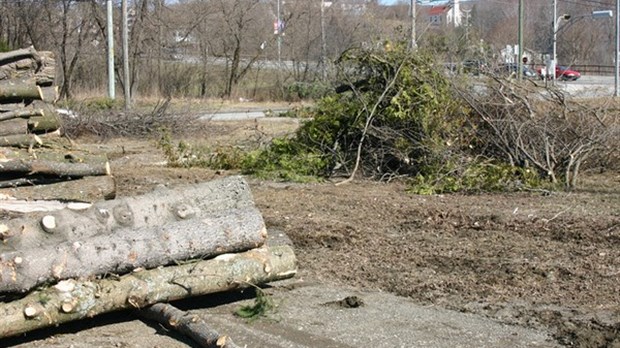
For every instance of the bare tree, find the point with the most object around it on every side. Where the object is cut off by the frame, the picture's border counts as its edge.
(72, 26)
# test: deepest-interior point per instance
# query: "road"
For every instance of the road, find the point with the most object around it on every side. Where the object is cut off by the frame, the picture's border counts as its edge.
(586, 87)
(589, 86)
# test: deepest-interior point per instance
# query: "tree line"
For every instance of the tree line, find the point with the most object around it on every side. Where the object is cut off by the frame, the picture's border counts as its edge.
(223, 48)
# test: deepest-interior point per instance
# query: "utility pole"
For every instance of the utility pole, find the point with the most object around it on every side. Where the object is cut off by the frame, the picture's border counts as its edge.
(125, 37)
(617, 55)
(412, 11)
(323, 42)
(551, 67)
(110, 34)
(279, 33)
(520, 57)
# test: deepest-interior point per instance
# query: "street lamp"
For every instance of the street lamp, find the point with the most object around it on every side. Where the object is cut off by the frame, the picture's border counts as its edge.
(554, 58)
(557, 29)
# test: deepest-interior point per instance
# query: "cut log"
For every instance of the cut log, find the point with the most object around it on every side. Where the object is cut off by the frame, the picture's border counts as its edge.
(19, 69)
(22, 89)
(4, 107)
(129, 248)
(43, 308)
(21, 140)
(47, 122)
(66, 156)
(23, 113)
(190, 325)
(49, 94)
(14, 126)
(24, 206)
(157, 208)
(54, 168)
(12, 56)
(43, 70)
(86, 189)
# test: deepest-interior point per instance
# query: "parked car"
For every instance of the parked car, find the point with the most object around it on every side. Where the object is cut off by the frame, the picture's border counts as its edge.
(475, 67)
(511, 69)
(561, 72)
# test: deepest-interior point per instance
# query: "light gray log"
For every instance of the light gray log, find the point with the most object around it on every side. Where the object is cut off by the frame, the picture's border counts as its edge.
(19, 54)
(156, 208)
(130, 248)
(74, 300)
(86, 189)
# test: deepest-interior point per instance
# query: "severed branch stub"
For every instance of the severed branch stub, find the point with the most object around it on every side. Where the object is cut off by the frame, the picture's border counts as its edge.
(190, 325)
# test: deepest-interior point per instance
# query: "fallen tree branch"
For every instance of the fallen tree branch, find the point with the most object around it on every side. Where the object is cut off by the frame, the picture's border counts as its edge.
(190, 325)
(74, 300)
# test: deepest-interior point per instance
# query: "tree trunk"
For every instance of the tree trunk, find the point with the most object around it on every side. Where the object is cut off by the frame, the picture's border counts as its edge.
(189, 325)
(14, 126)
(73, 300)
(21, 140)
(47, 122)
(23, 89)
(86, 189)
(157, 208)
(22, 113)
(54, 168)
(16, 55)
(127, 249)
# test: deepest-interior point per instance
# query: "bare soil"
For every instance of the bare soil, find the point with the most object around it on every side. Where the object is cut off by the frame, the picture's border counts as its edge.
(549, 261)
(544, 260)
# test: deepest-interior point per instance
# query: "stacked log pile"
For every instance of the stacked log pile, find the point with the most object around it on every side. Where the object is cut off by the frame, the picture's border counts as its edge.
(34, 161)
(162, 246)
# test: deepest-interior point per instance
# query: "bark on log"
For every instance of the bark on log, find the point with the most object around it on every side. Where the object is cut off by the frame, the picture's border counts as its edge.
(128, 249)
(23, 89)
(43, 71)
(87, 189)
(14, 126)
(67, 156)
(4, 107)
(85, 299)
(190, 325)
(157, 208)
(21, 140)
(47, 122)
(49, 94)
(54, 168)
(24, 113)
(16, 55)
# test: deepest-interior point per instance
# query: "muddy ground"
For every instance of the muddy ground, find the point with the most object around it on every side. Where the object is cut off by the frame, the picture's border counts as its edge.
(548, 261)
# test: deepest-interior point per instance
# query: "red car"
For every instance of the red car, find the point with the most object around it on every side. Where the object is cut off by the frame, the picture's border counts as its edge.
(563, 73)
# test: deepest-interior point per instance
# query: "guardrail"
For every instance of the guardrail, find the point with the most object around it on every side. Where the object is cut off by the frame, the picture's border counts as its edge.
(594, 69)
(600, 70)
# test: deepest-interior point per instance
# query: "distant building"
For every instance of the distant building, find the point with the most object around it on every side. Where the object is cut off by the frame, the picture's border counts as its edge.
(443, 15)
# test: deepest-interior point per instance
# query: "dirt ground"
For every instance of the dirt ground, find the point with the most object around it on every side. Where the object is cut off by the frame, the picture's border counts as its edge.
(549, 261)
(538, 260)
